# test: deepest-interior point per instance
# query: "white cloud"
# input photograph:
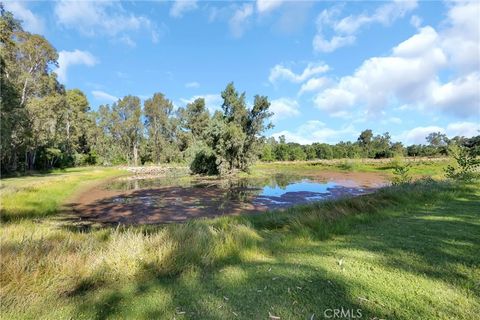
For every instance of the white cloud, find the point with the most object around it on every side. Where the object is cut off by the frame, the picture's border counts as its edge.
(102, 18)
(179, 7)
(280, 72)
(466, 129)
(324, 45)
(316, 131)
(345, 29)
(213, 102)
(460, 96)
(70, 58)
(31, 22)
(418, 135)
(284, 108)
(239, 21)
(410, 75)
(461, 39)
(264, 6)
(416, 21)
(103, 96)
(193, 84)
(313, 84)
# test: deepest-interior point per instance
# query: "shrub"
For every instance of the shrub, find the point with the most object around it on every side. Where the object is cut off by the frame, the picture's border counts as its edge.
(466, 165)
(401, 174)
(204, 162)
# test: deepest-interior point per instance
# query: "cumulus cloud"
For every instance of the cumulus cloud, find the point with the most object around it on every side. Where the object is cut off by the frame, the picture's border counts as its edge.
(67, 59)
(31, 22)
(284, 108)
(313, 84)
(465, 129)
(418, 135)
(280, 72)
(316, 131)
(345, 29)
(410, 75)
(102, 18)
(239, 21)
(460, 97)
(103, 96)
(180, 7)
(461, 38)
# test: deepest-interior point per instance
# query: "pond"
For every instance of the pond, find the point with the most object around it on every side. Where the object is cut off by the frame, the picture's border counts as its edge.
(178, 198)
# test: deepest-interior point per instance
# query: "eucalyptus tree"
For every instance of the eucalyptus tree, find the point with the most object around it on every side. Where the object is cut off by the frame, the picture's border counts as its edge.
(195, 118)
(235, 135)
(160, 128)
(126, 124)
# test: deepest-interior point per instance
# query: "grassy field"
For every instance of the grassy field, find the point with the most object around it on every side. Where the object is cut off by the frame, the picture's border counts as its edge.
(405, 252)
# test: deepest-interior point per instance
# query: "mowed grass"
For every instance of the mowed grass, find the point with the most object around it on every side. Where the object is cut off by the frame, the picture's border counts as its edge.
(405, 252)
(40, 195)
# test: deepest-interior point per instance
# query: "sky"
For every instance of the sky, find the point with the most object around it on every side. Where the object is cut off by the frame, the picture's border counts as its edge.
(329, 69)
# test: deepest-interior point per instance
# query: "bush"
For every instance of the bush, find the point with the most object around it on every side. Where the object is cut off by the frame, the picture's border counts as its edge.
(466, 165)
(204, 162)
(401, 175)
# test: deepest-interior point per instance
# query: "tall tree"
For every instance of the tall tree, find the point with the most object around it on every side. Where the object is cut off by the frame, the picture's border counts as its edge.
(196, 118)
(127, 125)
(437, 139)
(78, 123)
(235, 136)
(158, 111)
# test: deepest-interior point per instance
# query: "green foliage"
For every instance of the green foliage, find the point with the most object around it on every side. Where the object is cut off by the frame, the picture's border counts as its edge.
(466, 167)
(348, 165)
(246, 264)
(235, 136)
(401, 174)
(37, 115)
(267, 153)
(204, 162)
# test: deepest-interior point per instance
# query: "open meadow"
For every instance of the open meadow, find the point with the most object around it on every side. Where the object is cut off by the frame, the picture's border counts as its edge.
(402, 252)
(261, 159)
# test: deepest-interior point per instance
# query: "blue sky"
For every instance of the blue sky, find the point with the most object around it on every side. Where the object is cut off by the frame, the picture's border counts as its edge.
(330, 69)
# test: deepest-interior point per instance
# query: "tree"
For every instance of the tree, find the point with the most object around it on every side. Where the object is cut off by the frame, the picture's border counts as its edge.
(158, 111)
(437, 139)
(78, 123)
(381, 146)
(196, 118)
(365, 140)
(127, 125)
(235, 136)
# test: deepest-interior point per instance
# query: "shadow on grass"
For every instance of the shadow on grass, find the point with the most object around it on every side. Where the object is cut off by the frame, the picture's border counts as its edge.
(12, 216)
(282, 289)
(427, 238)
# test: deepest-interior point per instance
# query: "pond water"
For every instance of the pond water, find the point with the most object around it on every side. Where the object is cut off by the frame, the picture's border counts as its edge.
(178, 198)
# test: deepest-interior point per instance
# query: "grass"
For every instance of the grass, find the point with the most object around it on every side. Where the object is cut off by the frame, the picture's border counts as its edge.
(40, 195)
(421, 167)
(404, 252)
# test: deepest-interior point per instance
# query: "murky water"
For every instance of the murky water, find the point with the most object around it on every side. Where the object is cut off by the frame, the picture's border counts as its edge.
(180, 198)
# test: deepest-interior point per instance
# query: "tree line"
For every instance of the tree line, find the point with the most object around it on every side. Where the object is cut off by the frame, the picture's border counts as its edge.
(44, 125)
(367, 145)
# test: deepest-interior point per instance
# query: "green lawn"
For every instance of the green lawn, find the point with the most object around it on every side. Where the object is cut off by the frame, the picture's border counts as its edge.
(408, 252)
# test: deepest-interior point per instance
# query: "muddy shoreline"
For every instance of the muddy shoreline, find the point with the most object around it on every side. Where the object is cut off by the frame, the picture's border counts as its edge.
(148, 203)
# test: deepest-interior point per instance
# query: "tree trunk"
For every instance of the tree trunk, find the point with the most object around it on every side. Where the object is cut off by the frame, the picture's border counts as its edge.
(135, 154)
